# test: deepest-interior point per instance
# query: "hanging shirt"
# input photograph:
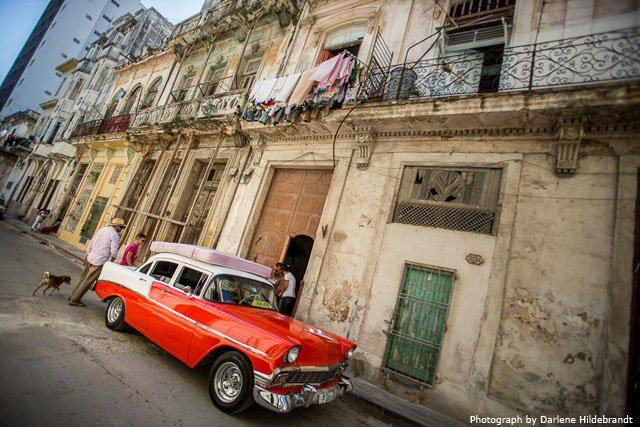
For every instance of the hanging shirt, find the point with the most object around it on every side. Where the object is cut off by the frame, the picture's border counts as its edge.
(303, 87)
(328, 71)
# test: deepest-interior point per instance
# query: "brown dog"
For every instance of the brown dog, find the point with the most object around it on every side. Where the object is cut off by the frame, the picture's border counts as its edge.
(52, 281)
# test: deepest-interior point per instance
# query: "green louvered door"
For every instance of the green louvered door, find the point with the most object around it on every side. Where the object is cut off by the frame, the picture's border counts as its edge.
(418, 322)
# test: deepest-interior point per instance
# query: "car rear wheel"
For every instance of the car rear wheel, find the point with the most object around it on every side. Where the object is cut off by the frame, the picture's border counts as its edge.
(114, 316)
(231, 382)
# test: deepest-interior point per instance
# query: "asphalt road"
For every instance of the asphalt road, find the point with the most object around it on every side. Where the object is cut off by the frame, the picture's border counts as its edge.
(60, 366)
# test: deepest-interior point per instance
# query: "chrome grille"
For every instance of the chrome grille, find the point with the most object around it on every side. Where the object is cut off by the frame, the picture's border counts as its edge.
(291, 378)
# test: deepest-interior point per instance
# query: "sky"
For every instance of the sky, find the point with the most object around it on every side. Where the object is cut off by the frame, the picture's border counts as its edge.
(21, 16)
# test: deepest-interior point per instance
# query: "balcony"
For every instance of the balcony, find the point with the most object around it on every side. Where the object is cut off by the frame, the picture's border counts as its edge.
(209, 16)
(212, 18)
(209, 99)
(213, 106)
(577, 61)
(19, 146)
(104, 126)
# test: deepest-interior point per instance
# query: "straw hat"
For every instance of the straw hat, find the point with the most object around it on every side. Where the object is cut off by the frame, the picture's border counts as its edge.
(119, 222)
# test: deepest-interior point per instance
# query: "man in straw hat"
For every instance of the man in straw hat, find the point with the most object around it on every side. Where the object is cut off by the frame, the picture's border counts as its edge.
(102, 248)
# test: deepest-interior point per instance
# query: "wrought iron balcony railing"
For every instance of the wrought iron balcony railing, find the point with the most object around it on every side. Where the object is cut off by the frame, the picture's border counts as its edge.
(213, 87)
(104, 126)
(581, 60)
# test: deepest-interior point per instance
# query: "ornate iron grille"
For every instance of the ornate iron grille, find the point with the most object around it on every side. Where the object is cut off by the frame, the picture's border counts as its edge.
(418, 323)
(580, 60)
(462, 199)
(460, 219)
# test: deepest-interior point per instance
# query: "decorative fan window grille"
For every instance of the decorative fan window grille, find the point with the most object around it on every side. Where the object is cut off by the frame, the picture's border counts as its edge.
(453, 198)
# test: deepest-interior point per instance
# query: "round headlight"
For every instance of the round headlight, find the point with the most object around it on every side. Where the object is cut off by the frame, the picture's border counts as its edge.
(292, 354)
(349, 354)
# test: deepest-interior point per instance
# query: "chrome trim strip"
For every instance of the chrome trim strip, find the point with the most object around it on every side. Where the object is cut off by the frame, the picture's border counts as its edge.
(243, 345)
(325, 368)
(188, 319)
(208, 329)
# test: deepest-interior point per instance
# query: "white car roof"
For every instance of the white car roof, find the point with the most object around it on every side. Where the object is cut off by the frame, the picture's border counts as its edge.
(212, 268)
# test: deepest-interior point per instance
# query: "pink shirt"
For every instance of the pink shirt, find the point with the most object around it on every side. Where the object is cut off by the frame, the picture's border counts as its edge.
(133, 248)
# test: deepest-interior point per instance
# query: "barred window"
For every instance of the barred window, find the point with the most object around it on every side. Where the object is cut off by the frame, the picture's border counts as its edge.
(463, 199)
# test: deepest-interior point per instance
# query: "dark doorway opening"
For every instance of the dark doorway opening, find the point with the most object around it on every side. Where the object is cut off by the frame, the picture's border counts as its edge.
(297, 256)
(491, 68)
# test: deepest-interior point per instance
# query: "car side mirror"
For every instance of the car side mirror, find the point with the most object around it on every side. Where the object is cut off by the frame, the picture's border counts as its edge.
(188, 290)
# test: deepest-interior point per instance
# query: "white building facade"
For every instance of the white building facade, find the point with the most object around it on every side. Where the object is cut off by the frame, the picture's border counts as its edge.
(78, 23)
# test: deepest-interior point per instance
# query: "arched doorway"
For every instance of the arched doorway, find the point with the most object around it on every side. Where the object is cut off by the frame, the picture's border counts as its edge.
(297, 256)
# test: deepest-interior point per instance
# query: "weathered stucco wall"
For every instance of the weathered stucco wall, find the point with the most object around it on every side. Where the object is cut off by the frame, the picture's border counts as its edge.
(550, 349)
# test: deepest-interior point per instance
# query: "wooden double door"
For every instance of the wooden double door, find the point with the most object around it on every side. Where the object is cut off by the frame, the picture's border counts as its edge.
(293, 207)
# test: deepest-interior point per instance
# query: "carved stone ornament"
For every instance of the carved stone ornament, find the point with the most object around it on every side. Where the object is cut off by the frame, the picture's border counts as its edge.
(257, 145)
(474, 259)
(233, 129)
(569, 139)
(364, 142)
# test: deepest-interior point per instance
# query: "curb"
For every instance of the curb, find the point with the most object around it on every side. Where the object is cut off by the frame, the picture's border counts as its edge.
(414, 413)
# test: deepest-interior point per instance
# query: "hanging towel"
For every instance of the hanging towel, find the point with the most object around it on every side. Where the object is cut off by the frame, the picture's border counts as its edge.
(280, 81)
(264, 91)
(288, 86)
(303, 87)
(255, 89)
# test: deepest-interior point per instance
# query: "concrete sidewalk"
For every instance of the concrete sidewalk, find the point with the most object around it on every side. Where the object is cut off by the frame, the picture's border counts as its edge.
(387, 402)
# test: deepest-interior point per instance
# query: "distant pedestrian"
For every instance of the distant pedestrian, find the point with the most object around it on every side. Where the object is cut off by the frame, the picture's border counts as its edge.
(11, 138)
(102, 248)
(288, 298)
(129, 256)
(52, 229)
(41, 215)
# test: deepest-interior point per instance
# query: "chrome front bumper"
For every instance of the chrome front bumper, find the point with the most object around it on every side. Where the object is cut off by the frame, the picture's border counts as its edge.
(306, 397)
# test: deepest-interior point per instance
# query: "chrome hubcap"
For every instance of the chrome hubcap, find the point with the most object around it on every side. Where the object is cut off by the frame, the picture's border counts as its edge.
(228, 382)
(114, 310)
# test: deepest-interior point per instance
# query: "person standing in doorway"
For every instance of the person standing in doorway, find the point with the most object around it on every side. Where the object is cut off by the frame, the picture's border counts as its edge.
(288, 298)
(129, 256)
(102, 247)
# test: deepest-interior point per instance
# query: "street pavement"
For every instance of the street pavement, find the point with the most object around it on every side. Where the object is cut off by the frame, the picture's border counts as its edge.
(60, 366)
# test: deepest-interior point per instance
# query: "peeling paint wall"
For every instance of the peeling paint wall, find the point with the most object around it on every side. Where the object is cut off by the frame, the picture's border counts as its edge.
(550, 348)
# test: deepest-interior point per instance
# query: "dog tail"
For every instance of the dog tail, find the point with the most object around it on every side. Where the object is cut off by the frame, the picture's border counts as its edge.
(46, 275)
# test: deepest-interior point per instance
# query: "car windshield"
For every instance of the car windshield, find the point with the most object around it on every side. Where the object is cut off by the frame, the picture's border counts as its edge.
(241, 291)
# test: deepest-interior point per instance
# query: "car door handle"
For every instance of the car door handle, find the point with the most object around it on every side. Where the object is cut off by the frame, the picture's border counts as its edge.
(164, 290)
(142, 279)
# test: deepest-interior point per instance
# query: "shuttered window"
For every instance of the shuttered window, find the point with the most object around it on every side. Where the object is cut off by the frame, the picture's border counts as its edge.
(418, 322)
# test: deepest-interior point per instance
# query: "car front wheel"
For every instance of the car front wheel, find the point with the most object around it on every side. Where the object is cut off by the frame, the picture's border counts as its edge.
(114, 316)
(231, 382)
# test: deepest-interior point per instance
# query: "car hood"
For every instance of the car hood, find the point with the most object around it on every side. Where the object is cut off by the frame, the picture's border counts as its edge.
(317, 347)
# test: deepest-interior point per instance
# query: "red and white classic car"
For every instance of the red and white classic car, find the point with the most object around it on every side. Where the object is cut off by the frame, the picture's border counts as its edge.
(206, 306)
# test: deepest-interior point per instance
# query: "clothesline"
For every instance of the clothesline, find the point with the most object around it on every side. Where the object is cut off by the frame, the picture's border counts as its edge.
(324, 85)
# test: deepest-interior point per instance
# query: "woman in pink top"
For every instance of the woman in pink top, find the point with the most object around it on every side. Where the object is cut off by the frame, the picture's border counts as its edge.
(129, 256)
